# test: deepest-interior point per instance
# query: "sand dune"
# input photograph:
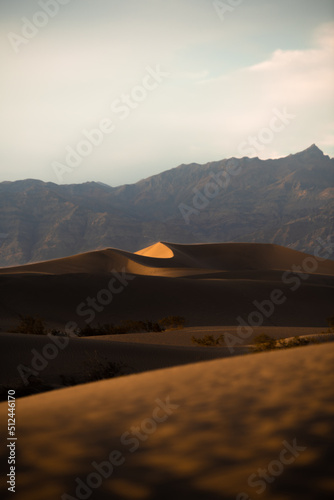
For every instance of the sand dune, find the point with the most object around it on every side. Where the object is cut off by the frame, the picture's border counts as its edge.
(136, 352)
(233, 415)
(228, 420)
(19, 349)
(63, 298)
(158, 250)
(197, 258)
(207, 284)
(233, 256)
(184, 337)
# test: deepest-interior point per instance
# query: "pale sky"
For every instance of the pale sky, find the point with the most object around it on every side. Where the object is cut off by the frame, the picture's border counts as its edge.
(237, 78)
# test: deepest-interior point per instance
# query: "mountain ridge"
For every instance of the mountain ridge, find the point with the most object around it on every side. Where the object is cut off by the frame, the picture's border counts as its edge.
(312, 148)
(286, 201)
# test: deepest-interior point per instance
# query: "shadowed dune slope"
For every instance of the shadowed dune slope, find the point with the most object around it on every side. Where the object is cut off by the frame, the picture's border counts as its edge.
(207, 284)
(228, 419)
(59, 299)
(74, 354)
(200, 257)
(237, 256)
(97, 262)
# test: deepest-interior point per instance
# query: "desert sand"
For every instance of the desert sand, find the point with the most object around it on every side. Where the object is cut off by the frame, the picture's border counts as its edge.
(183, 421)
(135, 357)
(229, 419)
(135, 352)
(209, 285)
(184, 336)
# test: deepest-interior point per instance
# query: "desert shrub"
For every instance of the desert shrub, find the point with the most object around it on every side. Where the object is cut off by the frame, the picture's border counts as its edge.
(58, 333)
(207, 340)
(263, 342)
(100, 368)
(91, 331)
(153, 327)
(295, 342)
(96, 368)
(132, 326)
(127, 326)
(31, 325)
(171, 322)
(106, 329)
(329, 331)
(36, 386)
(330, 322)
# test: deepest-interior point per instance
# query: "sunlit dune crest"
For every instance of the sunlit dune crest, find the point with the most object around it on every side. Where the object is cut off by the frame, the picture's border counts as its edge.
(208, 284)
(158, 250)
(163, 259)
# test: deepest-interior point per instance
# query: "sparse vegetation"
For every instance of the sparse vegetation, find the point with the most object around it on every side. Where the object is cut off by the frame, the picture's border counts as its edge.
(30, 325)
(172, 322)
(128, 326)
(36, 386)
(263, 342)
(36, 326)
(295, 342)
(133, 326)
(208, 340)
(330, 322)
(58, 333)
(95, 368)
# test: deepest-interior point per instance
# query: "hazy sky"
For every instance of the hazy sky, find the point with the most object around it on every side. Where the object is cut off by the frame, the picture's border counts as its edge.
(169, 82)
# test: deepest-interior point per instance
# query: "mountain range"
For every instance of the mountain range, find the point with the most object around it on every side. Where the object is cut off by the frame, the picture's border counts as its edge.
(286, 201)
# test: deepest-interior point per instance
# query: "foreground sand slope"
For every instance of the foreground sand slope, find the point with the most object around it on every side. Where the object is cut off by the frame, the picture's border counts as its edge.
(229, 418)
(209, 284)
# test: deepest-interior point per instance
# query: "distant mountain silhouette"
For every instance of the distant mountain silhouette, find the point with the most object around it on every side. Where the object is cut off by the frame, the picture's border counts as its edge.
(288, 201)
